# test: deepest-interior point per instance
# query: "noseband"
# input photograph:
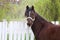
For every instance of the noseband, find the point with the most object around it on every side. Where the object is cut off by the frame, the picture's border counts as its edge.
(31, 17)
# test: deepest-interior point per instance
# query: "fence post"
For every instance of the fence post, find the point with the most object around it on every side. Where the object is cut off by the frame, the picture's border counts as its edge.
(19, 31)
(10, 30)
(57, 22)
(31, 34)
(4, 30)
(1, 30)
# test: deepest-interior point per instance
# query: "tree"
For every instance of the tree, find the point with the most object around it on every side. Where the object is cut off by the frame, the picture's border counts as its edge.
(49, 9)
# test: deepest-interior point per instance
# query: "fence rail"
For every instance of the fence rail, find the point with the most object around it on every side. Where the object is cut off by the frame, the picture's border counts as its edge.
(16, 30)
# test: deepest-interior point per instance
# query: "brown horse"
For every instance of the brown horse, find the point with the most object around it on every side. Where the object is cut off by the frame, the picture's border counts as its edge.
(42, 29)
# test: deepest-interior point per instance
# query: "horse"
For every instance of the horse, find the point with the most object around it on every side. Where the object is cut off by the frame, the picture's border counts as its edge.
(42, 29)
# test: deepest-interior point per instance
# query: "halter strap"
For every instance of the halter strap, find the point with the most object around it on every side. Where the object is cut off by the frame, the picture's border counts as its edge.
(31, 18)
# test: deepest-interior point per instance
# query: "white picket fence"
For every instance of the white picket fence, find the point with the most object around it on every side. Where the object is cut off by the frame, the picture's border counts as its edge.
(55, 22)
(16, 30)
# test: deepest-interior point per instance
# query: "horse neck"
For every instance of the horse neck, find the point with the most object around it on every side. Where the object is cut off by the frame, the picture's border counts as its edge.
(40, 19)
(38, 24)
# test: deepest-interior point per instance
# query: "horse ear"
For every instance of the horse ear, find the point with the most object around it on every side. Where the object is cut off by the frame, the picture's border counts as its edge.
(32, 7)
(27, 7)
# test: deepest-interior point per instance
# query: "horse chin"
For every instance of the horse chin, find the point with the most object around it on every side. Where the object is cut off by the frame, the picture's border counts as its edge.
(29, 24)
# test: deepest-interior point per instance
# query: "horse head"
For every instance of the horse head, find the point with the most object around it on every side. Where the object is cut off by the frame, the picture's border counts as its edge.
(30, 14)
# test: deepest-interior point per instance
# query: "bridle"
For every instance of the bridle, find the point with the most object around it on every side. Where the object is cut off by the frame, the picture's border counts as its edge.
(30, 17)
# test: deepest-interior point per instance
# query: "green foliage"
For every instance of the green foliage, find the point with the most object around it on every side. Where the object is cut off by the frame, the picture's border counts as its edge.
(49, 9)
(9, 11)
(3, 10)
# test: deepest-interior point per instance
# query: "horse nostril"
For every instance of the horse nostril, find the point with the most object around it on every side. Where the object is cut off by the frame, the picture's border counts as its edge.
(28, 24)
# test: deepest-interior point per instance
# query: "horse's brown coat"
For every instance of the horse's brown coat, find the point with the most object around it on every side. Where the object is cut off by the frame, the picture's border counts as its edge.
(48, 32)
(44, 30)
